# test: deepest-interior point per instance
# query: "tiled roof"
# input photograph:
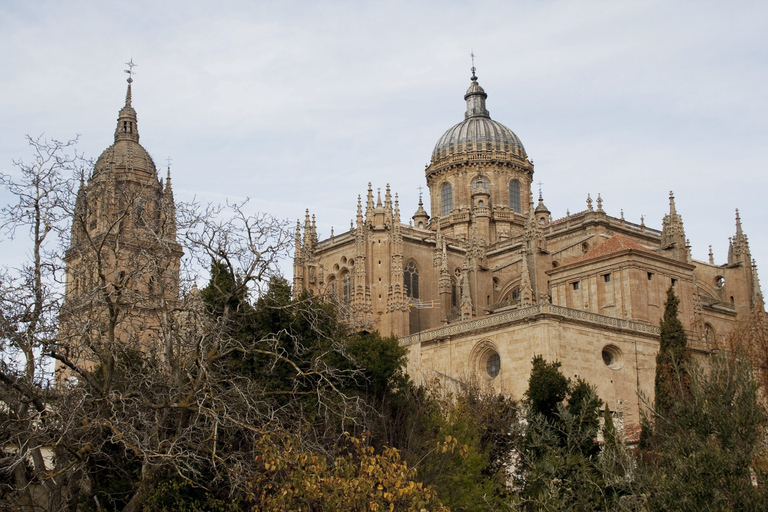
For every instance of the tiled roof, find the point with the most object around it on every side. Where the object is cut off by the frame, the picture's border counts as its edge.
(614, 245)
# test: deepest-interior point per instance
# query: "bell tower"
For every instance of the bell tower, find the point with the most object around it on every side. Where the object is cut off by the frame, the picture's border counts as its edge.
(122, 265)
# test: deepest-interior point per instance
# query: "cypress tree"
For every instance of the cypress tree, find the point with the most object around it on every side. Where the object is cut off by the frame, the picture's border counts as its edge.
(670, 384)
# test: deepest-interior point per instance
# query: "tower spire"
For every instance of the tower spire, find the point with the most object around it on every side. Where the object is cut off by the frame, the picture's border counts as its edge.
(127, 123)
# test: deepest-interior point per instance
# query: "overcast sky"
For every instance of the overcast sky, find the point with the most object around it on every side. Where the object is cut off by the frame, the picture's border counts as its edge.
(300, 104)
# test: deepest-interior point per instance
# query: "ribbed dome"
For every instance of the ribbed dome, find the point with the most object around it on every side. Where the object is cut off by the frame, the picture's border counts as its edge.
(125, 154)
(478, 132)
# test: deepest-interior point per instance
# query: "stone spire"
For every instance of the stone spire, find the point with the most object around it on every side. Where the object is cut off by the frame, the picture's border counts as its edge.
(741, 253)
(127, 122)
(169, 209)
(532, 233)
(369, 205)
(297, 243)
(80, 220)
(466, 298)
(673, 233)
(388, 207)
(758, 305)
(307, 243)
(526, 288)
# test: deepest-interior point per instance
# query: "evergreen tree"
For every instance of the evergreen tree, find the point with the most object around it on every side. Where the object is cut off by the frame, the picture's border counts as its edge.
(671, 385)
(547, 387)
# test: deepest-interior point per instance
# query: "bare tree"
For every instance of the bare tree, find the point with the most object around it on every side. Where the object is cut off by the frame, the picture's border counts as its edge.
(152, 382)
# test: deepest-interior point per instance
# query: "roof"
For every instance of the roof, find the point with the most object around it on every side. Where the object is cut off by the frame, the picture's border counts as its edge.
(614, 245)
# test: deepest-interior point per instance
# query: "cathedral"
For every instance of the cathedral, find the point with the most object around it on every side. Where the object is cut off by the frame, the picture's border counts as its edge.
(474, 288)
(487, 279)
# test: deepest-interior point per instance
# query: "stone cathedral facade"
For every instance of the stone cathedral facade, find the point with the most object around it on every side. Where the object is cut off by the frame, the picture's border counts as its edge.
(487, 279)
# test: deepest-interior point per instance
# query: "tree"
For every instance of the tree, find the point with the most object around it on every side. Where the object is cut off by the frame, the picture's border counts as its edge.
(704, 450)
(547, 387)
(561, 465)
(30, 298)
(149, 396)
(670, 385)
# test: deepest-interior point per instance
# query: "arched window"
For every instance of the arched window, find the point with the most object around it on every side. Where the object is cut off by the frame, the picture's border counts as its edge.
(446, 198)
(514, 196)
(411, 280)
(454, 294)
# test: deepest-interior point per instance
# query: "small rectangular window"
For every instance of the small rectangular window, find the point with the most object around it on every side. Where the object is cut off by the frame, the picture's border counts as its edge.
(576, 285)
(674, 282)
(650, 275)
(607, 278)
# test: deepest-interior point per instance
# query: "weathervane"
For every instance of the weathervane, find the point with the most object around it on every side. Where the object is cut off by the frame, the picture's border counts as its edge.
(472, 54)
(540, 187)
(420, 188)
(130, 70)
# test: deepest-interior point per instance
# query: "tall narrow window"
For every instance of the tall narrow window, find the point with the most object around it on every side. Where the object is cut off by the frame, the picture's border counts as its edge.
(514, 196)
(347, 288)
(446, 198)
(411, 280)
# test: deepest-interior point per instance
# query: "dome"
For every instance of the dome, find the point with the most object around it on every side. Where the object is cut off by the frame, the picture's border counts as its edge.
(478, 132)
(126, 153)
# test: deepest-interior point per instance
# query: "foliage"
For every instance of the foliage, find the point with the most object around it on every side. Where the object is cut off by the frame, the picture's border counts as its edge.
(671, 386)
(547, 387)
(560, 465)
(702, 454)
(357, 478)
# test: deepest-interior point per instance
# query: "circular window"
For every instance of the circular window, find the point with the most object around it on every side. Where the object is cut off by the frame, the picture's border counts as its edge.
(719, 281)
(612, 357)
(493, 365)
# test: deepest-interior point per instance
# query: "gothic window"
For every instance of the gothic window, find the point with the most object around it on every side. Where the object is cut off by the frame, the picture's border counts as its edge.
(514, 295)
(454, 293)
(446, 198)
(411, 280)
(514, 196)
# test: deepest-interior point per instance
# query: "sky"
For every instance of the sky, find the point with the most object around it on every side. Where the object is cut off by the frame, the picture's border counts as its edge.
(298, 104)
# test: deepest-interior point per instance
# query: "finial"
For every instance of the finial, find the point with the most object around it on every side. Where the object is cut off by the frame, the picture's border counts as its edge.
(672, 209)
(130, 70)
(622, 214)
(599, 202)
(420, 189)
(711, 256)
(642, 220)
(474, 77)
(169, 168)
(738, 223)
(589, 202)
(540, 184)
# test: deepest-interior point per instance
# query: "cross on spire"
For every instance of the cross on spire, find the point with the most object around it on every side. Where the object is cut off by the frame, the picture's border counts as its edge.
(420, 189)
(472, 55)
(130, 70)
(169, 160)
